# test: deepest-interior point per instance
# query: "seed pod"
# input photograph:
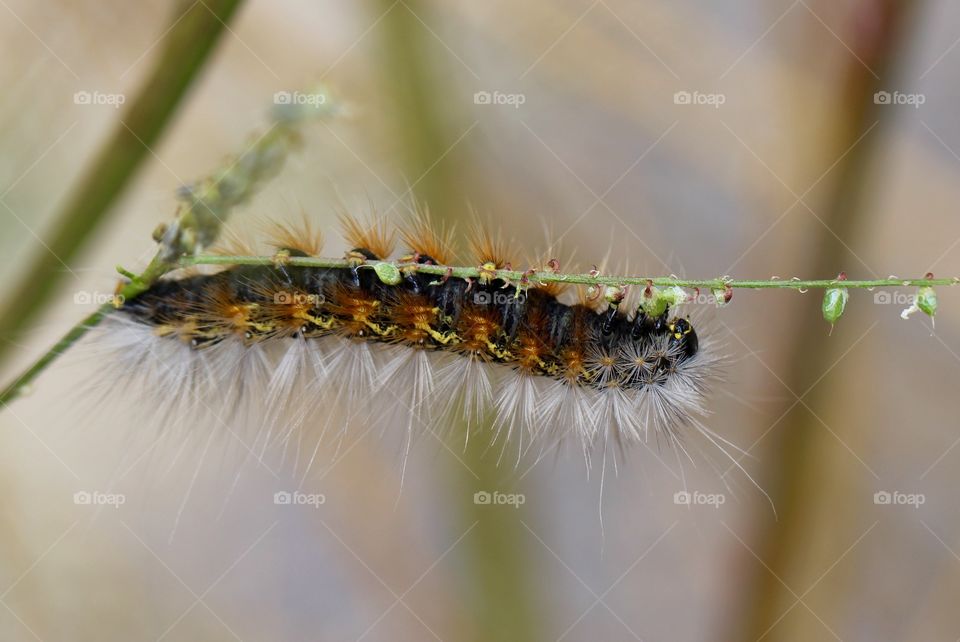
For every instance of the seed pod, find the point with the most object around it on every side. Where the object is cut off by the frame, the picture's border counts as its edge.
(614, 295)
(835, 301)
(927, 300)
(722, 295)
(653, 303)
(387, 272)
(674, 295)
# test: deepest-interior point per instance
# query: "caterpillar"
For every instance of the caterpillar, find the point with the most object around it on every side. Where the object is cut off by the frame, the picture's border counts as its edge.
(444, 351)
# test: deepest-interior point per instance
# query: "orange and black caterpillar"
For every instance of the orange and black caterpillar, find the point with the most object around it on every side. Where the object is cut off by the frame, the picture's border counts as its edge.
(528, 329)
(279, 347)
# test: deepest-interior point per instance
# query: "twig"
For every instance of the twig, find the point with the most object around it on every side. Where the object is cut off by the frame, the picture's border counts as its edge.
(515, 276)
(137, 286)
(189, 44)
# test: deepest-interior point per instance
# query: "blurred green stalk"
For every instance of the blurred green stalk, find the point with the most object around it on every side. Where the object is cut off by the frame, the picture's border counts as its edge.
(188, 45)
(500, 587)
(797, 479)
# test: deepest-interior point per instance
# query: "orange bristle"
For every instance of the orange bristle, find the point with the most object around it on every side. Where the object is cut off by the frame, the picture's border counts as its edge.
(532, 347)
(371, 236)
(219, 311)
(426, 239)
(489, 248)
(234, 243)
(357, 308)
(415, 315)
(288, 309)
(300, 237)
(477, 328)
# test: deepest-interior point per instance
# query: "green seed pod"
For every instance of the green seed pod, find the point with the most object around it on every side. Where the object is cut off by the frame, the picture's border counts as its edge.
(653, 303)
(834, 303)
(614, 295)
(927, 300)
(722, 295)
(387, 272)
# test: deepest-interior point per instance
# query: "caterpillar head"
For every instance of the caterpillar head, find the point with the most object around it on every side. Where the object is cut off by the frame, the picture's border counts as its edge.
(683, 334)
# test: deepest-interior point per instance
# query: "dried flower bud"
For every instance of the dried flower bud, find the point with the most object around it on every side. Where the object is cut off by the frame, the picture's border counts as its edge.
(722, 295)
(614, 294)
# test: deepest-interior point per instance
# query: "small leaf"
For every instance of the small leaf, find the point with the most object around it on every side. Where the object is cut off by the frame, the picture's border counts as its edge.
(387, 272)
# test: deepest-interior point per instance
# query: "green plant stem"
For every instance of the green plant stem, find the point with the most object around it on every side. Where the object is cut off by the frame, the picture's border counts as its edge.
(135, 288)
(17, 387)
(188, 46)
(806, 483)
(516, 276)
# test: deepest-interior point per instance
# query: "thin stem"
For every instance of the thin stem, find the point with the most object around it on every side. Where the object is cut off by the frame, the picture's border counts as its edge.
(18, 386)
(188, 47)
(134, 288)
(516, 276)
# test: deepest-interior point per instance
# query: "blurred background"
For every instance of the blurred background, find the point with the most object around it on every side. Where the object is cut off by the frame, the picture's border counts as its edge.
(787, 138)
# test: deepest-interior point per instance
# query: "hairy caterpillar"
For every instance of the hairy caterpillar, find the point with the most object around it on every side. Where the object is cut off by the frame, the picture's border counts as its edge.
(315, 339)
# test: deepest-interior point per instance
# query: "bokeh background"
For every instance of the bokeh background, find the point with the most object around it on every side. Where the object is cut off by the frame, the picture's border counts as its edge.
(776, 157)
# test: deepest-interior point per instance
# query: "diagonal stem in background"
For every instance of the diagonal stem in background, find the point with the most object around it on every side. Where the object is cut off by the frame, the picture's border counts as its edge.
(189, 44)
